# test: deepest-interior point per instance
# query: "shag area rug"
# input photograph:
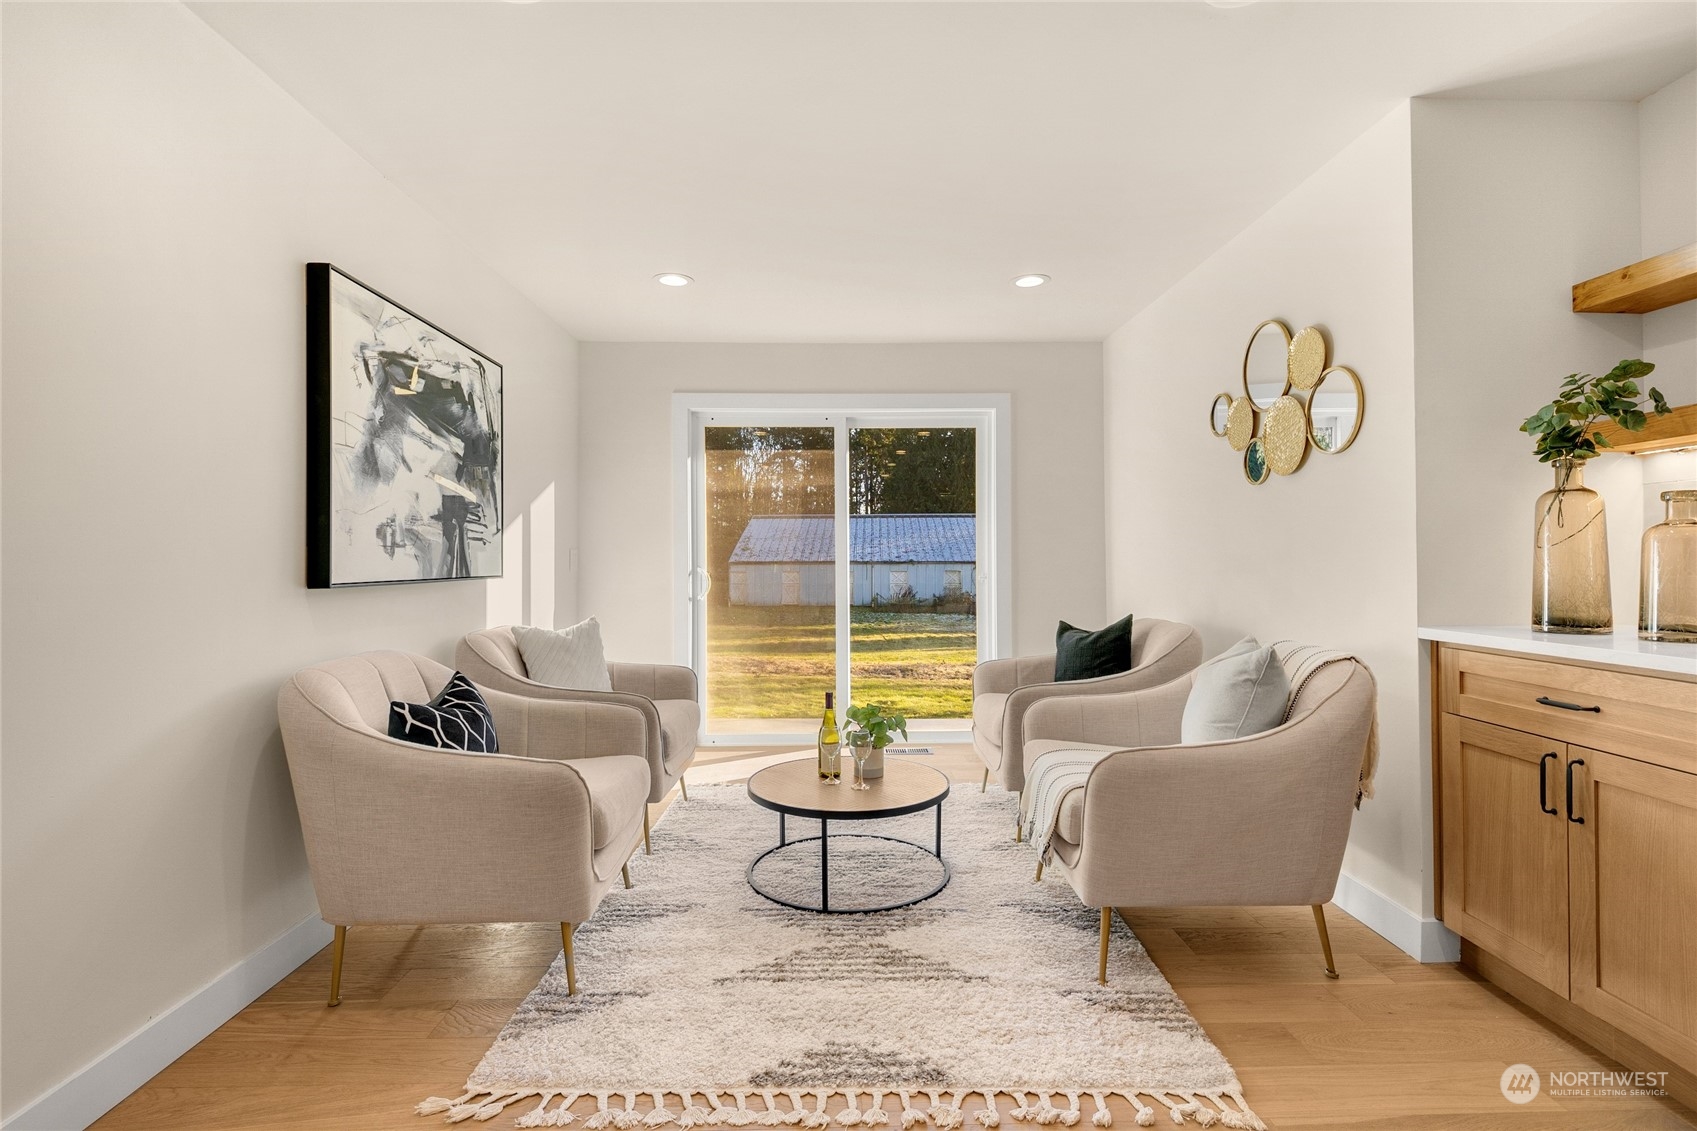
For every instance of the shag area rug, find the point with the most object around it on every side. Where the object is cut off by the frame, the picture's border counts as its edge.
(703, 1004)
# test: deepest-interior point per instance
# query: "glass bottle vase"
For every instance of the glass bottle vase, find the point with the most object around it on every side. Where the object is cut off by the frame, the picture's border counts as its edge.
(1667, 578)
(1570, 557)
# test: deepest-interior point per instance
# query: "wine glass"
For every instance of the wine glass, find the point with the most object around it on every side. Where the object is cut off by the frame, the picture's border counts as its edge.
(861, 751)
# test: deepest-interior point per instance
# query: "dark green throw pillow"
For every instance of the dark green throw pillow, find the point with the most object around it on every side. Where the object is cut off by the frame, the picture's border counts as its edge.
(1086, 655)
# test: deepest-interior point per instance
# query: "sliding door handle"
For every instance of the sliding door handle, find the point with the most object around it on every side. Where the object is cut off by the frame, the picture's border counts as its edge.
(1544, 786)
(1570, 766)
(1548, 702)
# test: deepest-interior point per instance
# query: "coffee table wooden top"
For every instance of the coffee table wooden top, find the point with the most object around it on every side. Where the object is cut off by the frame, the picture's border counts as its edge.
(794, 787)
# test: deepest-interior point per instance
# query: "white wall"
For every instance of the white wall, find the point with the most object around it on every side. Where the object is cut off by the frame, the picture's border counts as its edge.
(1667, 196)
(1514, 202)
(160, 198)
(626, 575)
(1325, 555)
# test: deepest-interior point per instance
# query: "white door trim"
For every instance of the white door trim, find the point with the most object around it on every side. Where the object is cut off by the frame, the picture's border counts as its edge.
(989, 412)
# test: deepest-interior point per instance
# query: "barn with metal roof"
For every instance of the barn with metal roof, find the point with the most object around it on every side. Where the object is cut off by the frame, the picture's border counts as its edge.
(787, 559)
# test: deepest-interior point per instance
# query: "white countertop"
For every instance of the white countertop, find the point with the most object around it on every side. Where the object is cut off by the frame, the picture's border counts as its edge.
(1622, 647)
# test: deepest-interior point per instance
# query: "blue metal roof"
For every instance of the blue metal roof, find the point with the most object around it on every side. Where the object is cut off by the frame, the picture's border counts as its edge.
(872, 537)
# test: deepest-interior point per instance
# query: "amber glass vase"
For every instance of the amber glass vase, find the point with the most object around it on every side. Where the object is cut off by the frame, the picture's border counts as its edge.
(1667, 577)
(1570, 557)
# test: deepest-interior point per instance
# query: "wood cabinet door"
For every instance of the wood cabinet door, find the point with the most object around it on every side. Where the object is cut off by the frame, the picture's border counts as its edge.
(1504, 852)
(1633, 873)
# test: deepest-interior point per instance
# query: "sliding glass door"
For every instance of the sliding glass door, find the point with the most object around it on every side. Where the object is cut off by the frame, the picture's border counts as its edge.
(845, 551)
(913, 530)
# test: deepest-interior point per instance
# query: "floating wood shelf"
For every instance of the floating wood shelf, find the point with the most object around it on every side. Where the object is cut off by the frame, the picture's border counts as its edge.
(1649, 284)
(1677, 429)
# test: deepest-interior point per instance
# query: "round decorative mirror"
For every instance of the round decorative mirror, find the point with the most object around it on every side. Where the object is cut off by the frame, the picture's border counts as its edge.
(1218, 413)
(1255, 462)
(1266, 363)
(1334, 410)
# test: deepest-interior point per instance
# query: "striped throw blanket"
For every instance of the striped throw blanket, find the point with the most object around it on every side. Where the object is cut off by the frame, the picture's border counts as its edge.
(1056, 774)
(1301, 663)
(1052, 777)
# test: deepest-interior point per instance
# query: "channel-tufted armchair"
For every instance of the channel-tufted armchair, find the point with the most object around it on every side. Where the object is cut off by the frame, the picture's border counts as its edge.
(1274, 808)
(1004, 690)
(402, 833)
(666, 695)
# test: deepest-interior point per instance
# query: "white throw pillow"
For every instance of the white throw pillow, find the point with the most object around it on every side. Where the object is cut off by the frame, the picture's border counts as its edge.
(1242, 691)
(570, 657)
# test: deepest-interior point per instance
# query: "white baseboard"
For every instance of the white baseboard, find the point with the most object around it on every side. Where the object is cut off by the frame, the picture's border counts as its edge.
(1427, 940)
(97, 1088)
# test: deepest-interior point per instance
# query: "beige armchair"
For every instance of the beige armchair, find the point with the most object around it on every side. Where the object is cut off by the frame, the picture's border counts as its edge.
(401, 833)
(664, 694)
(1274, 808)
(1003, 691)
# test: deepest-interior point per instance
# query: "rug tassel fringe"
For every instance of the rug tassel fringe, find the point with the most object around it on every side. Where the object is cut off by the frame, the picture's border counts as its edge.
(559, 1117)
(600, 1117)
(693, 1115)
(620, 1111)
(436, 1105)
(1145, 1113)
(661, 1115)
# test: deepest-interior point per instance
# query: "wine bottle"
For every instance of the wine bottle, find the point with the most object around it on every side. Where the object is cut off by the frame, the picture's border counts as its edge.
(830, 742)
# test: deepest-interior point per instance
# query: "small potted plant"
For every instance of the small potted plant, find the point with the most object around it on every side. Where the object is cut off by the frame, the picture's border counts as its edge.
(871, 729)
(1570, 546)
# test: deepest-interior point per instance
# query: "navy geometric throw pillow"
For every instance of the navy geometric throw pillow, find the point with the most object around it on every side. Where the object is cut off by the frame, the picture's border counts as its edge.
(457, 719)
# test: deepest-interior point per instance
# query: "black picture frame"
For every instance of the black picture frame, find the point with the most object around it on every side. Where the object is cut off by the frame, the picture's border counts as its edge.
(401, 416)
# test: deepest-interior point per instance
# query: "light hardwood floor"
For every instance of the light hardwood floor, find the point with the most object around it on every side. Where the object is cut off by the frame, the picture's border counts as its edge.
(1390, 1044)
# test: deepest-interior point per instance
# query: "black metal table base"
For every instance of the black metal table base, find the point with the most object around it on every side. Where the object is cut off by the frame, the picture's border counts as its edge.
(824, 838)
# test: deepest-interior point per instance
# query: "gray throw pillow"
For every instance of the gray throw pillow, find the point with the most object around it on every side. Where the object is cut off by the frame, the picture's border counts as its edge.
(1242, 691)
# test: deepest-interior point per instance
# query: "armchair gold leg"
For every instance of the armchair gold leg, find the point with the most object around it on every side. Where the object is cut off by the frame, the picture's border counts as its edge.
(646, 851)
(1018, 827)
(625, 872)
(336, 949)
(1325, 940)
(571, 966)
(1039, 878)
(1102, 959)
(682, 788)
(984, 786)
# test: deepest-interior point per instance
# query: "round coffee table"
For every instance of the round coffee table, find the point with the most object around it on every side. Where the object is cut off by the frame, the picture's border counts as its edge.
(793, 789)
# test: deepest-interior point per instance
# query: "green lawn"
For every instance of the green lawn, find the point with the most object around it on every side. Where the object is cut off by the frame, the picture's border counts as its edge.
(917, 663)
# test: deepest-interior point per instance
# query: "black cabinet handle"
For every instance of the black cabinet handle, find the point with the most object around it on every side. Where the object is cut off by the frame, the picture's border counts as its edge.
(1548, 702)
(1570, 816)
(1544, 786)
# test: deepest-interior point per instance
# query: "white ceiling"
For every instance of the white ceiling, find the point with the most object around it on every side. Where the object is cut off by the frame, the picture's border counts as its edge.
(881, 171)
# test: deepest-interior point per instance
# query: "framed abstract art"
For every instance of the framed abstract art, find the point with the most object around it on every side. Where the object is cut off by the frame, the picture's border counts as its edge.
(404, 443)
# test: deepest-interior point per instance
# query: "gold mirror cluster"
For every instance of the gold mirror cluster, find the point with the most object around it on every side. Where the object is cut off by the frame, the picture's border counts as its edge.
(1292, 401)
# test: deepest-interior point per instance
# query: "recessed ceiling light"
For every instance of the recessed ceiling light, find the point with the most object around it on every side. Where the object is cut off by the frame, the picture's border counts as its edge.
(673, 279)
(1031, 280)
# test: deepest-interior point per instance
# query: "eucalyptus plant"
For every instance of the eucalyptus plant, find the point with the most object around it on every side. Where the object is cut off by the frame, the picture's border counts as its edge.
(870, 720)
(1562, 429)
